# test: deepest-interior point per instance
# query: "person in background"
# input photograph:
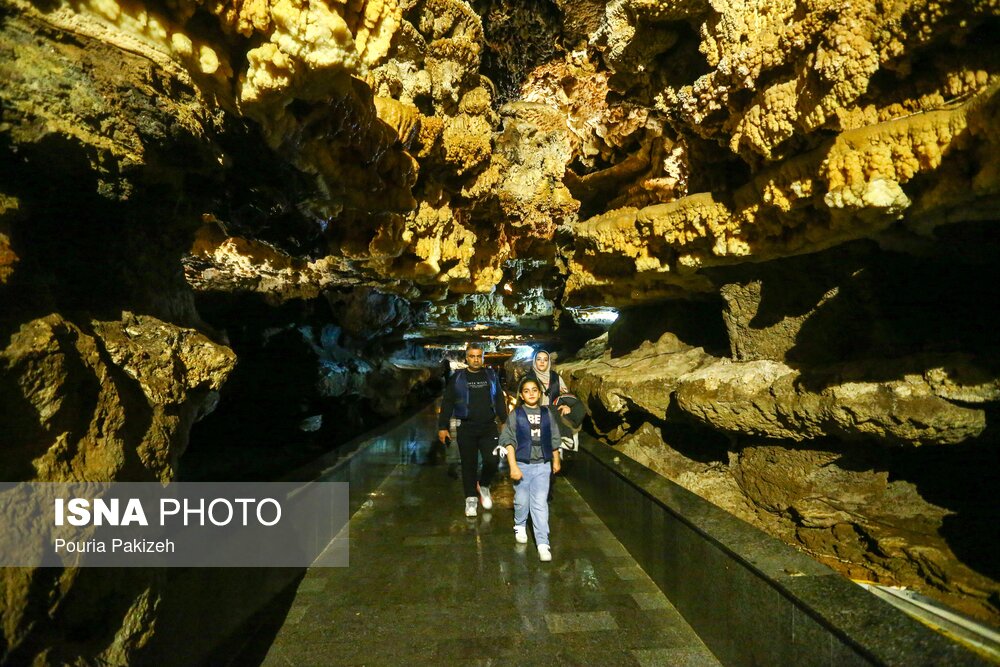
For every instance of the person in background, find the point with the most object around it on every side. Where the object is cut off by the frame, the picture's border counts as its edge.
(531, 439)
(474, 397)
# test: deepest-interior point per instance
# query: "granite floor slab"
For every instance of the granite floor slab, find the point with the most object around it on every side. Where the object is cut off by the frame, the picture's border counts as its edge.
(426, 585)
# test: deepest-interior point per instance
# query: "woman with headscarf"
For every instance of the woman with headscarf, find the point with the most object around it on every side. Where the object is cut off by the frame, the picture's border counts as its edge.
(551, 384)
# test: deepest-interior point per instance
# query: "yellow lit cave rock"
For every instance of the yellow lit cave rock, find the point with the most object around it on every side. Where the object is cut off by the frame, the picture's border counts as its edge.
(852, 187)
(173, 369)
(9, 207)
(628, 249)
(403, 118)
(807, 70)
(232, 263)
(647, 164)
(438, 247)
(156, 32)
(309, 40)
(466, 142)
(523, 184)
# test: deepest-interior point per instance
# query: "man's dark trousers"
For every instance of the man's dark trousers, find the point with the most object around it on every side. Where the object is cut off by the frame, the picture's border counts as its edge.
(475, 438)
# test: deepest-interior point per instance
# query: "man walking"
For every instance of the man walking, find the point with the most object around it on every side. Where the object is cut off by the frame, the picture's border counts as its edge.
(473, 396)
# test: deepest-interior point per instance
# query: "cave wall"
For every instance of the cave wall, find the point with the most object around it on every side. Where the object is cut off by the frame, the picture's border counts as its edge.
(311, 374)
(118, 160)
(105, 363)
(853, 415)
(826, 207)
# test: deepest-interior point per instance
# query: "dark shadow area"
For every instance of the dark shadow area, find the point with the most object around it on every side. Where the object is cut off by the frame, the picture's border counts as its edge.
(692, 438)
(712, 170)
(237, 615)
(249, 644)
(41, 634)
(848, 312)
(261, 197)
(599, 419)
(296, 392)
(72, 239)
(771, 293)
(519, 36)
(254, 436)
(964, 479)
(695, 323)
(573, 335)
(87, 257)
(86, 620)
(261, 406)
(96, 233)
(792, 286)
(685, 50)
(23, 438)
(901, 306)
(678, 430)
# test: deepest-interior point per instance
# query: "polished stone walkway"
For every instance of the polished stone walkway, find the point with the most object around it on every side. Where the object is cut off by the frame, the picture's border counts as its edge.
(426, 585)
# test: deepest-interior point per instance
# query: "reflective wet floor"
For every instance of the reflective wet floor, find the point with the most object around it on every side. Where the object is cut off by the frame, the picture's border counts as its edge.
(426, 585)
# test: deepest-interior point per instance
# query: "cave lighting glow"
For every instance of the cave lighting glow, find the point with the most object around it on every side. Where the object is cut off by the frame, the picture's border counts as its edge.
(594, 315)
(522, 352)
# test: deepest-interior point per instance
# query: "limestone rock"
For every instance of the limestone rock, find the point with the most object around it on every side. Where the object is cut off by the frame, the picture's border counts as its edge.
(643, 380)
(110, 401)
(376, 151)
(524, 181)
(743, 305)
(851, 189)
(8, 258)
(834, 152)
(479, 309)
(712, 481)
(842, 507)
(768, 399)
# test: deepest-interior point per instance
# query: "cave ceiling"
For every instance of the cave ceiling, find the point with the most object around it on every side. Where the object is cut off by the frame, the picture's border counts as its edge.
(576, 153)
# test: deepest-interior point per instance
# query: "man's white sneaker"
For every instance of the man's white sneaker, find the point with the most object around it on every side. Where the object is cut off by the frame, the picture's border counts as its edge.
(520, 534)
(470, 506)
(484, 496)
(544, 553)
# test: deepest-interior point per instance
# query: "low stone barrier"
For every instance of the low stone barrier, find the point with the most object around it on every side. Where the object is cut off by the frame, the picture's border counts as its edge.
(751, 598)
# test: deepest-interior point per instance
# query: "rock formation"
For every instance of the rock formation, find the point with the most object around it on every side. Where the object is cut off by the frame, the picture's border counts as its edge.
(791, 203)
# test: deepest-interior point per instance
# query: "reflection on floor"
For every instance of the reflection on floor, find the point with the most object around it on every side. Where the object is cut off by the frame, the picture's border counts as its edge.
(426, 585)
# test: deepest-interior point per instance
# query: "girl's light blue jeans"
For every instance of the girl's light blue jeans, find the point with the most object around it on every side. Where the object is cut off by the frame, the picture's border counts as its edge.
(532, 492)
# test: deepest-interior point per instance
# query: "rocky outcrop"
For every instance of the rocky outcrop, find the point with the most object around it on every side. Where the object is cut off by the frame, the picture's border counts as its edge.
(96, 401)
(848, 189)
(105, 400)
(844, 495)
(768, 399)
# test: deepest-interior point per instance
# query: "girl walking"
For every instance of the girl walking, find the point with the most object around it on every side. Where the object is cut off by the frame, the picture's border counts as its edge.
(531, 438)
